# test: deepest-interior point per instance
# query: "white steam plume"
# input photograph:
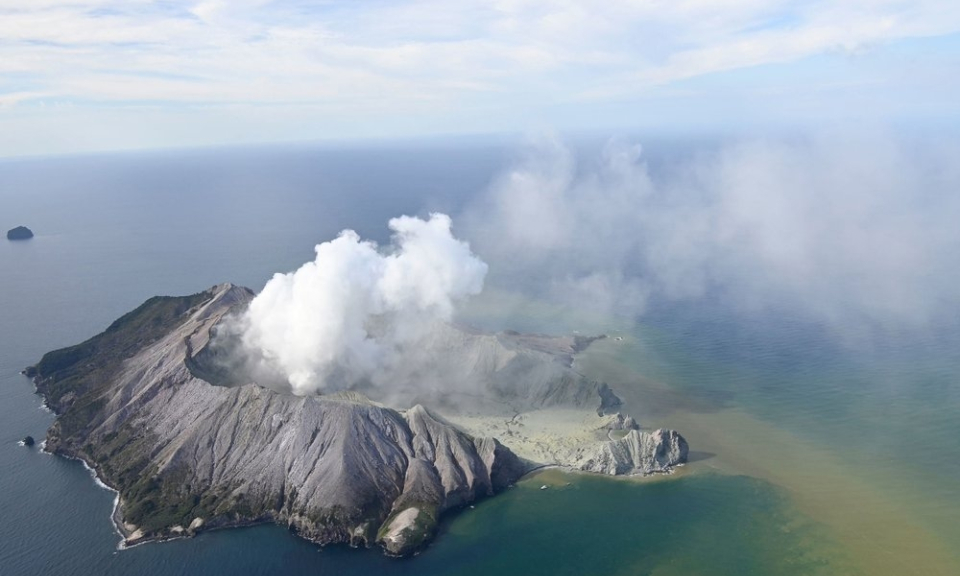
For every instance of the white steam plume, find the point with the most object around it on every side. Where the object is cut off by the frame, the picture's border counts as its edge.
(341, 318)
(857, 231)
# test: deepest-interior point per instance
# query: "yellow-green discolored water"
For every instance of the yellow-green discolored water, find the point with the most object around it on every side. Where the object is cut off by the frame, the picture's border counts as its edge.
(860, 442)
(876, 515)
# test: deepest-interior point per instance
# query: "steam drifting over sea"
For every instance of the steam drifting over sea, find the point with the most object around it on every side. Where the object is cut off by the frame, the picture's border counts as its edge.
(854, 230)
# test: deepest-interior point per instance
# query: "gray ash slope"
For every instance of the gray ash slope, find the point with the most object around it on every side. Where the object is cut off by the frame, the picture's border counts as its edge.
(187, 455)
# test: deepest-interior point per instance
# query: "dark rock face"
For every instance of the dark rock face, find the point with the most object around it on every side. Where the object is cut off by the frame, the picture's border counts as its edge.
(28, 441)
(187, 455)
(609, 401)
(19, 233)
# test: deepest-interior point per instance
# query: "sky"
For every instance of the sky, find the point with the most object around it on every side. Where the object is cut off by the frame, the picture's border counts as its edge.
(93, 75)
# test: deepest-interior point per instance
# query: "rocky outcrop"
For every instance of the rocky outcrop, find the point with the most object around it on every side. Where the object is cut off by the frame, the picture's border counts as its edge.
(637, 453)
(20, 233)
(28, 441)
(620, 421)
(182, 452)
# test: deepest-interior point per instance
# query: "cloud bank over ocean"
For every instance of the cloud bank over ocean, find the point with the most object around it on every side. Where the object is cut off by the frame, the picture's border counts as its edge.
(850, 230)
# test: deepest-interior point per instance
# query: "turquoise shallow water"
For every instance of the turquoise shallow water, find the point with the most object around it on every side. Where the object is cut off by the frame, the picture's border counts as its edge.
(112, 231)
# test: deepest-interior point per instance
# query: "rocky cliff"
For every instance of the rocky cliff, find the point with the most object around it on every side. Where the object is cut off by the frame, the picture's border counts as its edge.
(637, 453)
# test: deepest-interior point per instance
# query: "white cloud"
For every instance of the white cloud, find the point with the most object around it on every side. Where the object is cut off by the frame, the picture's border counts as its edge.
(419, 57)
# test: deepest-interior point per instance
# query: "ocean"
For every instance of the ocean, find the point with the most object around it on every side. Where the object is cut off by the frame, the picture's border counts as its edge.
(809, 455)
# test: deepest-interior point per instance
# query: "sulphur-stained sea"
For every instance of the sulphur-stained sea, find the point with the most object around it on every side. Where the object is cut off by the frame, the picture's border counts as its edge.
(810, 454)
(862, 441)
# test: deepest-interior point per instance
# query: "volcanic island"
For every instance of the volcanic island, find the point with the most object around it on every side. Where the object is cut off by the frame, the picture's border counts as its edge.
(189, 446)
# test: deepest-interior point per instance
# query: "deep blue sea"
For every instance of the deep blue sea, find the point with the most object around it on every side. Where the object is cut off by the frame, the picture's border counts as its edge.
(810, 456)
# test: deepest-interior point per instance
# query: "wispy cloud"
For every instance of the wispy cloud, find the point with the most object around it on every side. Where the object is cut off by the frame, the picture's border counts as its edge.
(420, 56)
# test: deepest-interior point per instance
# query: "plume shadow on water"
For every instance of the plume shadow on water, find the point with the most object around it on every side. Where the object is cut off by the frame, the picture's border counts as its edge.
(699, 456)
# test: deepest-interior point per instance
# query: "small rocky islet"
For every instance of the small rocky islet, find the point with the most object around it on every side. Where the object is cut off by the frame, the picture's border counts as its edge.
(19, 233)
